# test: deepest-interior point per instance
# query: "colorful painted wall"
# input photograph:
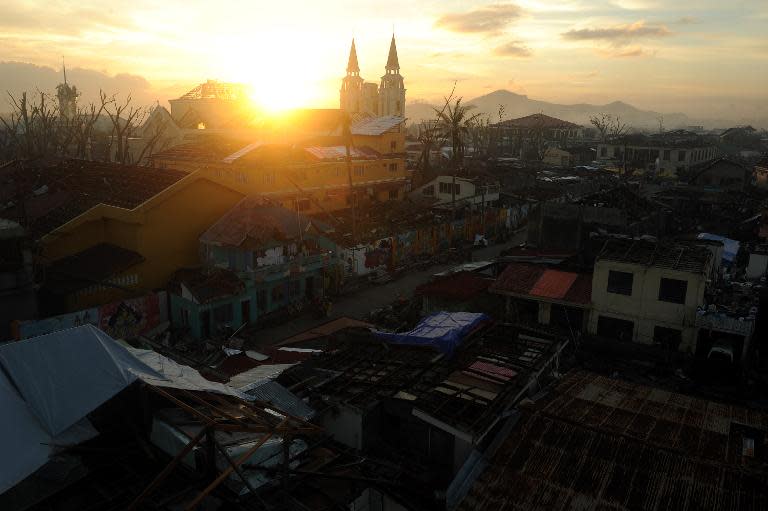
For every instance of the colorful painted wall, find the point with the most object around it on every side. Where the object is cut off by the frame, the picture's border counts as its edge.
(122, 319)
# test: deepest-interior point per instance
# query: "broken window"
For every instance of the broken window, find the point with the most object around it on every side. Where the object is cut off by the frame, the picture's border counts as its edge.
(681, 156)
(667, 154)
(672, 290)
(393, 195)
(620, 282)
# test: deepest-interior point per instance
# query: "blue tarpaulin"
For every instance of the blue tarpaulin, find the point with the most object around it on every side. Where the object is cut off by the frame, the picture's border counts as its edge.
(730, 247)
(442, 330)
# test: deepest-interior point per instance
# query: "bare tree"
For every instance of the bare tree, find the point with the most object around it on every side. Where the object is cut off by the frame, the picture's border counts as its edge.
(602, 123)
(617, 129)
(155, 140)
(480, 134)
(125, 119)
(430, 138)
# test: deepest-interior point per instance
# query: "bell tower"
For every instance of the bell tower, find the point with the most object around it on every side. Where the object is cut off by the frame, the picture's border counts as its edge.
(392, 90)
(351, 93)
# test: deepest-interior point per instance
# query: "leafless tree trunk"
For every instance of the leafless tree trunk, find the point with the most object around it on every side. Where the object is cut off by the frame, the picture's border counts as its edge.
(125, 119)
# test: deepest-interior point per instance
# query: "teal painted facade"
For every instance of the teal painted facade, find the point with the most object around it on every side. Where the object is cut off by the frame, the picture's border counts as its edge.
(267, 289)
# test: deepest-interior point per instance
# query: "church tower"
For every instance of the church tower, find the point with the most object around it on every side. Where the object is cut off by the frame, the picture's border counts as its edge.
(351, 94)
(392, 90)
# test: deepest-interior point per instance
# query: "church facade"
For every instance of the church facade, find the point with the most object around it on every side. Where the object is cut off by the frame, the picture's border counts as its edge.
(358, 96)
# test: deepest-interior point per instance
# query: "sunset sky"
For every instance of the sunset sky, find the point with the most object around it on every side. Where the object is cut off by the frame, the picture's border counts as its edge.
(676, 55)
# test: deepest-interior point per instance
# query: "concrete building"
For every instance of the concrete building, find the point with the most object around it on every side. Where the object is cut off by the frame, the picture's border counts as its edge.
(17, 285)
(465, 191)
(357, 96)
(649, 292)
(669, 154)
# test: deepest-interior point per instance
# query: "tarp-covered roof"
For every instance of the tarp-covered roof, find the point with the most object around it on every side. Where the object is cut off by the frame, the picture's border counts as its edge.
(538, 281)
(730, 247)
(442, 330)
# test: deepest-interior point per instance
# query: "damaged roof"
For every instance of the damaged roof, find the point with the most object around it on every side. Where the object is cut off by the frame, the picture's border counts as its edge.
(376, 125)
(337, 153)
(205, 285)
(256, 220)
(674, 256)
(597, 443)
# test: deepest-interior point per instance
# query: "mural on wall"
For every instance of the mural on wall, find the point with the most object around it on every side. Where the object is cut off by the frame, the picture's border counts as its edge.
(123, 319)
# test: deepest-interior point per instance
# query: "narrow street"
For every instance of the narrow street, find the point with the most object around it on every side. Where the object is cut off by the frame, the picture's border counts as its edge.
(357, 305)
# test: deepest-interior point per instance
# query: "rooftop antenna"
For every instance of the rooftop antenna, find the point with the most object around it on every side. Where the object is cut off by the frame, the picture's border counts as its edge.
(64, 67)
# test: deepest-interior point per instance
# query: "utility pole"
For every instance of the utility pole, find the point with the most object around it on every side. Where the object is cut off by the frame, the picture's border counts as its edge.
(352, 197)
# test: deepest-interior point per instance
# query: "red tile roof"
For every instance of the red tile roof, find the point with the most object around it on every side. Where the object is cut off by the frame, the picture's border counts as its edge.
(541, 282)
(457, 286)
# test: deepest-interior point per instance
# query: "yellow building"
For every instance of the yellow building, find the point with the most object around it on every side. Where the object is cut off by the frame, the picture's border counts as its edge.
(303, 164)
(649, 292)
(107, 231)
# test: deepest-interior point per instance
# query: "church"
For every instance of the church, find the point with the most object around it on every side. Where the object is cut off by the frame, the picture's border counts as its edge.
(359, 96)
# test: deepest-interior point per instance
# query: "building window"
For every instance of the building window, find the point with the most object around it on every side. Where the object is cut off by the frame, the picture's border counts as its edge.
(393, 167)
(667, 154)
(303, 204)
(223, 313)
(393, 145)
(614, 328)
(295, 288)
(359, 170)
(669, 338)
(673, 290)
(429, 191)
(446, 188)
(681, 156)
(603, 152)
(185, 317)
(393, 195)
(620, 282)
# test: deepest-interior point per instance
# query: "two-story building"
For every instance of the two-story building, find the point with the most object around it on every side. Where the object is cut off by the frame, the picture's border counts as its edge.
(257, 259)
(668, 154)
(649, 292)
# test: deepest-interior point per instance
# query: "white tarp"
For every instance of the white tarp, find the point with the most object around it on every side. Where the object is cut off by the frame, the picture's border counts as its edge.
(179, 376)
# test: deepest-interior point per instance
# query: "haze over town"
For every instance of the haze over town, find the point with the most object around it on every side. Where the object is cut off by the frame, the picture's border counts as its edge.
(705, 59)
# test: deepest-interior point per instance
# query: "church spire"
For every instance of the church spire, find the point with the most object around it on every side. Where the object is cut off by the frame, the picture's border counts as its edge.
(393, 64)
(352, 65)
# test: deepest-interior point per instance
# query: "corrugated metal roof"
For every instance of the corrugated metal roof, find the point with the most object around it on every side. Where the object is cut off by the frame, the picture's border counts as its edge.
(283, 399)
(376, 125)
(340, 153)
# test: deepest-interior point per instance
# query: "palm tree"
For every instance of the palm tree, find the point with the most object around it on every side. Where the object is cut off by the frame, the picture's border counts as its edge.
(455, 122)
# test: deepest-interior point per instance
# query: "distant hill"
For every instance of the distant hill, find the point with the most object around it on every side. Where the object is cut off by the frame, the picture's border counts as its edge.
(518, 105)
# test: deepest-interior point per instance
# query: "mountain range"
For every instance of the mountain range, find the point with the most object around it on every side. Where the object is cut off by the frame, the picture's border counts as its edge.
(518, 105)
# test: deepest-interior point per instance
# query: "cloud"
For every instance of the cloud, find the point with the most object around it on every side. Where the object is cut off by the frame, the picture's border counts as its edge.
(490, 19)
(686, 20)
(18, 77)
(513, 49)
(628, 53)
(618, 35)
